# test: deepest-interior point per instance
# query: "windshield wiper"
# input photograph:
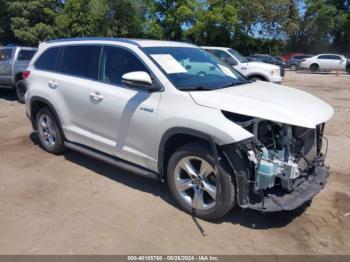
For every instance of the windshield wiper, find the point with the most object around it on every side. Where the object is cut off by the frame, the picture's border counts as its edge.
(196, 88)
(235, 84)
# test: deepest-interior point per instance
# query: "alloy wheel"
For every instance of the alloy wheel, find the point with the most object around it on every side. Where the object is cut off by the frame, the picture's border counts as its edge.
(195, 182)
(47, 130)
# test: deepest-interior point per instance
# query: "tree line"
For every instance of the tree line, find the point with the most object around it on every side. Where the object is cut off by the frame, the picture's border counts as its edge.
(251, 26)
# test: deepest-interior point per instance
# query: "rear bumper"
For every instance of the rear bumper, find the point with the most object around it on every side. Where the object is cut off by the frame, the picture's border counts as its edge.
(276, 200)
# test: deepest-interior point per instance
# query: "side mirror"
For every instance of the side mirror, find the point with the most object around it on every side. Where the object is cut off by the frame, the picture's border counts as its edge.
(137, 79)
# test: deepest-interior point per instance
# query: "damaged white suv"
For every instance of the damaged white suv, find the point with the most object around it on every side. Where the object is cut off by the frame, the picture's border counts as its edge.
(173, 112)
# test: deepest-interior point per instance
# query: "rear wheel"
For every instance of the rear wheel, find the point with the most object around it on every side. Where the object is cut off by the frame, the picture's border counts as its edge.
(293, 67)
(50, 136)
(314, 68)
(21, 89)
(195, 185)
(348, 69)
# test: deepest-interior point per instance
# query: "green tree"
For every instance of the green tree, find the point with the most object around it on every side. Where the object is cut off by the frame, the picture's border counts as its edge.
(167, 19)
(32, 21)
(120, 18)
(215, 23)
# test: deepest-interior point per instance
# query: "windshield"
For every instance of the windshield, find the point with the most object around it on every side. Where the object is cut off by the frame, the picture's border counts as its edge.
(238, 56)
(190, 68)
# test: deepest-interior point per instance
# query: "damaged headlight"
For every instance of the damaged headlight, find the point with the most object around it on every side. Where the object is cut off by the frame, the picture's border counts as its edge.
(279, 153)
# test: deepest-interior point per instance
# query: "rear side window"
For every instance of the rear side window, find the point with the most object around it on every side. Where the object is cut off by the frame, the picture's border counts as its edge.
(47, 61)
(115, 62)
(26, 55)
(5, 54)
(80, 61)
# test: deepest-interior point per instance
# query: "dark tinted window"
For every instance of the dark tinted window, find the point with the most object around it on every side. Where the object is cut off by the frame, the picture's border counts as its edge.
(5, 54)
(80, 61)
(335, 57)
(26, 55)
(329, 57)
(48, 60)
(223, 56)
(115, 62)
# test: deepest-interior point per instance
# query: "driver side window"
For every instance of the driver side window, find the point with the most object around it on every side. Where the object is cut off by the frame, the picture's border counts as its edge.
(115, 62)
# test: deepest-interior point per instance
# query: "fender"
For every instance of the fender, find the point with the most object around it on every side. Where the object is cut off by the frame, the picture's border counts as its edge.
(52, 108)
(179, 131)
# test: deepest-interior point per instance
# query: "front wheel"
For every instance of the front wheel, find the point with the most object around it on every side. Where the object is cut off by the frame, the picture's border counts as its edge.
(21, 89)
(196, 186)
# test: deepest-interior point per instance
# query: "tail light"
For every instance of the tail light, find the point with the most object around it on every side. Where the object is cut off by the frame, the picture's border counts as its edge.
(25, 74)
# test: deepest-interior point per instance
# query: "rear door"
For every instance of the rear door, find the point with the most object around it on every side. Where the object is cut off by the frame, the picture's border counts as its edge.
(78, 65)
(123, 119)
(6, 55)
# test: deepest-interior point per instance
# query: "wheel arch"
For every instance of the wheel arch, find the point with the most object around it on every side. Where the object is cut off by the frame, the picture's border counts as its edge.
(175, 138)
(36, 103)
(258, 75)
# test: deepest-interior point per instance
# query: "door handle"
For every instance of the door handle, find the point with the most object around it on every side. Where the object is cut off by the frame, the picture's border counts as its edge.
(52, 84)
(96, 96)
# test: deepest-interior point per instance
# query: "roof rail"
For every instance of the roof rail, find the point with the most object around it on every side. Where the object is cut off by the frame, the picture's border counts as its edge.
(123, 40)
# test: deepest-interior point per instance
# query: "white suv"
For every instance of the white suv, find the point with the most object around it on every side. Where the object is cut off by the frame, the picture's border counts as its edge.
(252, 70)
(173, 112)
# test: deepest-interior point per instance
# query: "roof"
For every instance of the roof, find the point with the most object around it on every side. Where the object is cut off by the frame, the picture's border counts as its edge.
(216, 47)
(136, 42)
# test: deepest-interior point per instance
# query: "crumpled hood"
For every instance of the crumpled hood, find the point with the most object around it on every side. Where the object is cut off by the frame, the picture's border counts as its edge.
(268, 101)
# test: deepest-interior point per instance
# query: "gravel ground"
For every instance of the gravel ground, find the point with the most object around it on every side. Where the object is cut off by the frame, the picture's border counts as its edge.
(72, 204)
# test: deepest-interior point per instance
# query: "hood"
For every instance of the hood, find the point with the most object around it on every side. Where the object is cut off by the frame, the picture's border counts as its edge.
(261, 65)
(268, 101)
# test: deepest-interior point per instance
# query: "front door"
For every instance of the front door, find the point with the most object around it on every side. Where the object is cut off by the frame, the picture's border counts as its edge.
(123, 119)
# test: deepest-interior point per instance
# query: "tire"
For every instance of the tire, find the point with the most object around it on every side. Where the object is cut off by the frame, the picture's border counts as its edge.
(49, 133)
(186, 186)
(255, 78)
(348, 69)
(293, 67)
(314, 68)
(21, 89)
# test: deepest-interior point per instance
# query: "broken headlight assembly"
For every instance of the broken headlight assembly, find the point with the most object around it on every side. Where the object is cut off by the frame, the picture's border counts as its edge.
(280, 157)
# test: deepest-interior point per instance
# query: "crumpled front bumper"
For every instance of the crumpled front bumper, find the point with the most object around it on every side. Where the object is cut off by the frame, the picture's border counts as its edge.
(304, 190)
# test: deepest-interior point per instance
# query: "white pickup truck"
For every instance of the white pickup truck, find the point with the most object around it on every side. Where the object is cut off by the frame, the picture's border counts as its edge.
(252, 70)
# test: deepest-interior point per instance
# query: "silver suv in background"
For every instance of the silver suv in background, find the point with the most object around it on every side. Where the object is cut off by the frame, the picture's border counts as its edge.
(13, 63)
(173, 112)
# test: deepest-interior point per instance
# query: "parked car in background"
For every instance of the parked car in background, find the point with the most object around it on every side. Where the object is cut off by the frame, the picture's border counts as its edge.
(253, 59)
(271, 60)
(288, 55)
(278, 58)
(13, 63)
(293, 63)
(326, 62)
(171, 111)
(252, 70)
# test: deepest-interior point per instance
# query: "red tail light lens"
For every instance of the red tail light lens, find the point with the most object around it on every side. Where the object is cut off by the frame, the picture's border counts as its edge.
(25, 74)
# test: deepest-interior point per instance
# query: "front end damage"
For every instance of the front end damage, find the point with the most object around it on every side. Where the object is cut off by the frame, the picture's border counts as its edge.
(283, 165)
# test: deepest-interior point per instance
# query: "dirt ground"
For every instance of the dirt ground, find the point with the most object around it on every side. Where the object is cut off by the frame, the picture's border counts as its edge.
(72, 204)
